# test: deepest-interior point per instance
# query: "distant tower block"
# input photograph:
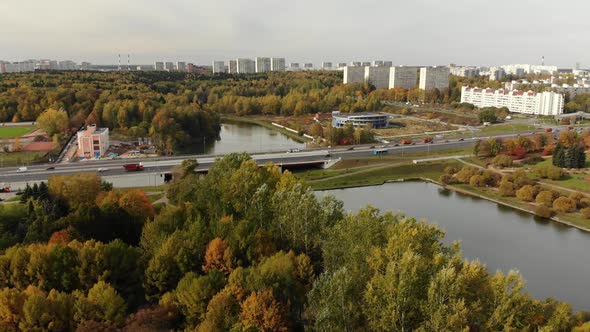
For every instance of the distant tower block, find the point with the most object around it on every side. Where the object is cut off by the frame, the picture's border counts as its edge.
(128, 62)
(119, 58)
(543, 60)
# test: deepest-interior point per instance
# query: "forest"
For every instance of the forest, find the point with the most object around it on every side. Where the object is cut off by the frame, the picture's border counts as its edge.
(243, 248)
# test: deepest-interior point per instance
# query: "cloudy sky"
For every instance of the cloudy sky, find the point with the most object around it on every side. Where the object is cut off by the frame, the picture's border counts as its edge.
(407, 32)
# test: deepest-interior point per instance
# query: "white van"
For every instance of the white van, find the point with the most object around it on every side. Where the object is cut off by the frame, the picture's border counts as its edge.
(22, 169)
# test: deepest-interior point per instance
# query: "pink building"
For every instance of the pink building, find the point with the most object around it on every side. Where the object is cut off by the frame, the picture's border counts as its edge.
(93, 142)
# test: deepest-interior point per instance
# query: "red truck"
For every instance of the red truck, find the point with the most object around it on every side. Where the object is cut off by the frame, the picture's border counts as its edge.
(4, 188)
(427, 140)
(548, 130)
(133, 167)
(407, 141)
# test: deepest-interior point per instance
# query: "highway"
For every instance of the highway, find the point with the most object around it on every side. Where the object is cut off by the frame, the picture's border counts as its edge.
(165, 164)
(112, 167)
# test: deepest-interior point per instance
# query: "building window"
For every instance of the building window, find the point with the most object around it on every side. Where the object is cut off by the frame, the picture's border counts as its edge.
(95, 142)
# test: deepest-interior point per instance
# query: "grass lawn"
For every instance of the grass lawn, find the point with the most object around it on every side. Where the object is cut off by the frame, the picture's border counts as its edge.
(19, 158)
(155, 197)
(405, 171)
(13, 132)
(506, 128)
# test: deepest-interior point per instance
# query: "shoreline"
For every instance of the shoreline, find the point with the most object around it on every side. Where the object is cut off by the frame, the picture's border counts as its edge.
(467, 193)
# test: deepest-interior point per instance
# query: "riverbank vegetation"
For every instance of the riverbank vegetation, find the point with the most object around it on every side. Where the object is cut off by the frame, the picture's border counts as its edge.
(285, 261)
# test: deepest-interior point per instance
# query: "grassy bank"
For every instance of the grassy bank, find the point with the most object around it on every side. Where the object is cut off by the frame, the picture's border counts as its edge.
(240, 119)
(381, 175)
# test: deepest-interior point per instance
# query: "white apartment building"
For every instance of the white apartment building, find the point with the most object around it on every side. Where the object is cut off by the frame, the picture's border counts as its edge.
(277, 64)
(181, 66)
(341, 65)
(365, 63)
(218, 67)
(378, 63)
(246, 66)
(262, 64)
(308, 65)
(468, 72)
(388, 63)
(434, 78)
(377, 76)
(356, 63)
(403, 77)
(67, 65)
(169, 66)
(159, 65)
(354, 74)
(294, 66)
(529, 69)
(232, 66)
(542, 103)
(326, 65)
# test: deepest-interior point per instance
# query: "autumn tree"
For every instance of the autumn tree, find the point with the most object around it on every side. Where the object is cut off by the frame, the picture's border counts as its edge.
(262, 312)
(53, 121)
(218, 256)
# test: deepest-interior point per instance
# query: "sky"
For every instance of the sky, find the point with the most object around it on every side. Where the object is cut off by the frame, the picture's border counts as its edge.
(411, 32)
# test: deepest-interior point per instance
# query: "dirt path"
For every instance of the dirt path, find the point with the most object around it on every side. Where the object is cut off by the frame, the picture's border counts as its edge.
(366, 170)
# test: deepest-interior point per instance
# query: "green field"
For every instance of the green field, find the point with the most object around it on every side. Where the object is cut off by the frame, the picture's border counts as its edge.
(13, 132)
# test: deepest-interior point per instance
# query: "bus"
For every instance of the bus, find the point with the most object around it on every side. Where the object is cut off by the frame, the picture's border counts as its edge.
(380, 152)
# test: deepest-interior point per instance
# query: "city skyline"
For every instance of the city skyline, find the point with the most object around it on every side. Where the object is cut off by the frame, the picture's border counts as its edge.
(417, 33)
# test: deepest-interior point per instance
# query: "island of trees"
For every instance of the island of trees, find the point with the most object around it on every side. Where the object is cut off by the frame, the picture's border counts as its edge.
(243, 248)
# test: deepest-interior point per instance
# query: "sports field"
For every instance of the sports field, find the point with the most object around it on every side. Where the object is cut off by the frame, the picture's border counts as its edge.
(13, 132)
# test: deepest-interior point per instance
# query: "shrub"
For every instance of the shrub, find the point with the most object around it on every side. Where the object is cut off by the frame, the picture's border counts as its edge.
(450, 170)
(543, 211)
(549, 172)
(446, 179)
(564, 204)
(491, 178)
(545, 198)
(521, 179)
(577, 198)
(526, 193)
(502, 161)
(585, 202)
(477, 181)
(465, 174)
(586, 212)
(506, 189)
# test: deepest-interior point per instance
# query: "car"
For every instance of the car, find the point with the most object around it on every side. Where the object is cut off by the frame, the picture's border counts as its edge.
(461, 139)
(446, 141)
(413, 143)
(350, 148)
(371, 147)
(396, 144)
(50, 168)
(102, 169)
(22, 169)
(293, 150)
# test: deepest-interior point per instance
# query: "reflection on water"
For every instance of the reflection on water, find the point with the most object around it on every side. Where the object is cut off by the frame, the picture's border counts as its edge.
(239, 137)
(553, 258)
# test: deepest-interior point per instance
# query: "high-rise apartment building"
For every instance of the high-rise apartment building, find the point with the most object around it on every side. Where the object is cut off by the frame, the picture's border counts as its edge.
(294, 65)
(497, 74)
(434, 78)
(356, 63)
(277, 64)
(308, 65)
(326, 65)
(218, 67)
(169, 66)
(365, 63)
(354, 74)
(538, 103)
(232, 66)
(403, 77)
(377, 76)
(246, 66)
(262, 64)
(181, 66)
(469, 72)
(388, 63)
(159, 65)
(341, 65)
(378, 63)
